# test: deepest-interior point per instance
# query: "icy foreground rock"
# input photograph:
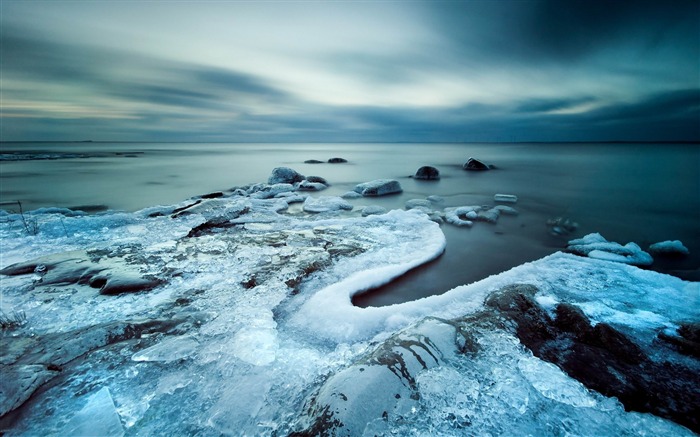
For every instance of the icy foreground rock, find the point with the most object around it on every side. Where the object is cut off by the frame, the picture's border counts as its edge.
(251, 330)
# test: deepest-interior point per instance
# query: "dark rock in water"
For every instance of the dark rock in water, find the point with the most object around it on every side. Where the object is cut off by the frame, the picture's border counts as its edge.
(89, 208)
(313, 161)
(337, 160)
(213, 195)
(284, 175)
(427, 173)
(306, 185)
(379, 187)
(317, 179)
(473, 164)
(686, 339)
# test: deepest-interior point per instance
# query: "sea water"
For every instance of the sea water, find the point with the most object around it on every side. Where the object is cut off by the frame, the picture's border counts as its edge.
(628, 192)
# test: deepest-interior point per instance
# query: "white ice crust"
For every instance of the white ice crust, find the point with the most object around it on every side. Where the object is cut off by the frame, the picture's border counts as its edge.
(249, 367)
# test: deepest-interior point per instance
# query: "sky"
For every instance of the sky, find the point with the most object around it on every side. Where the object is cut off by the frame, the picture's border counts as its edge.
(342, 71)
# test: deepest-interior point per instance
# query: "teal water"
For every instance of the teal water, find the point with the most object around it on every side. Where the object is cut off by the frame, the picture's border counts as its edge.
(628, 192)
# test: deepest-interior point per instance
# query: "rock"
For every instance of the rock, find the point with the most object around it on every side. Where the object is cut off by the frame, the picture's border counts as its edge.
(313, 161)
(337, 160)
(461, 216)
(669, 249)
(373, 210)
(507, 210)
(435, 199)
(214, 195)
(284, 175)
(305, 185)
(379, 187)
(317, 179)
(18, 383)
(596, 246)
(382, 385)
(326, 204)
(351, 195)
(427, 173)
(489, 215)
(473, 164)
(270, 191)
(561, 226)
(418, 203)
(507, 198)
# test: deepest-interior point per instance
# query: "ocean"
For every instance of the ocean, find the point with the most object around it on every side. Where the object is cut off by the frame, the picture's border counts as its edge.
(642, 193)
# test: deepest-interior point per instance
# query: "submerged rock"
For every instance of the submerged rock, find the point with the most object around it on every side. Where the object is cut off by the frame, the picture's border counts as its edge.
(379, 187)
(427, 173)
(306, 185)
(474, 164)
(284, 175)
(326, 204)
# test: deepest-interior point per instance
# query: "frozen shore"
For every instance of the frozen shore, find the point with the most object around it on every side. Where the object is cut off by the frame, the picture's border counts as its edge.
(227, 315)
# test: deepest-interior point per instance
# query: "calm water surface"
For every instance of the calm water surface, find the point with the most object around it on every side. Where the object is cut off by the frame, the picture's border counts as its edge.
(628, 192)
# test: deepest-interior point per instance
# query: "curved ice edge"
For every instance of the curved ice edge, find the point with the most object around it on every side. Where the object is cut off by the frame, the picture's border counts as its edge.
(330, 315)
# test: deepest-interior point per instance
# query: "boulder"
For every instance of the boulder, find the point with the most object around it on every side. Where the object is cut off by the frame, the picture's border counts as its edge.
(669, 249)
(418, 203)
(474, 164)
(305, 185)
(313, 161)
(284, 175)
(337, 160)
(373, 210)
(351, 195)
(427, 173)
(379, 187)
(317, 179)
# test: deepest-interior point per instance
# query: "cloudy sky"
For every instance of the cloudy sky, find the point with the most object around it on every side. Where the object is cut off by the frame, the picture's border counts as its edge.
(491, 70)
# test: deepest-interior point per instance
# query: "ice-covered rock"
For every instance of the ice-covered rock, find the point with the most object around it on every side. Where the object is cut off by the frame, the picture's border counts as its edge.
(379, 187)
(506, 198)
(19, 382)
(305, 185)
(284, 175)
(669, 248)
(461, 216)
(435, 198)
(326, 204)
(507, 210)
(427, 173)
(419, 203)
(273, 190)
(474, 164)
(351, 195)
(488, 215)
(373, 210)
(596, 246)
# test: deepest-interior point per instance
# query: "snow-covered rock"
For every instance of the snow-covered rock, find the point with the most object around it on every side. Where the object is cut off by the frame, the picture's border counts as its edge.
(305, 185)
(596, 246)
(669, 248)
(373, 210)
(507, 210)
(419, 203)
(351, 195)
(379, 187)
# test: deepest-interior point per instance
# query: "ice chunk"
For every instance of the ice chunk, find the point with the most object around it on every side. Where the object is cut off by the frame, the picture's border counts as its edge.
(596, 246)
(325, 204)
(418, 203)
(669, 248)
(507, 210)
(507, 198)
(373, 210)
(97, 418)
(554, 384)
(379, 187)
(257, 346)
(461, 216)
(170, 349)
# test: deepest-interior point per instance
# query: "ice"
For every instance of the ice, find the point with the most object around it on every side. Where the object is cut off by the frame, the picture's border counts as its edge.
(507, 198)
(674, 247)
(596, 246)
(454, 215)
(373, 210)
(97, 418)
(255, 315)
(171, 349)
(326, 204)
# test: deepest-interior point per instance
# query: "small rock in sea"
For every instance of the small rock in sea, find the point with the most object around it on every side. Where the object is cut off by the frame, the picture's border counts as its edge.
(373, 210)
(317, 179)
(306, 185)
(213, 195)
(561, 226)
(435, 199)
(284, 175)
(418, 203)
(669, 248)
(507, 198)
(379, 187)
(507, 210)
(427, 173)
(337, 160)
(325, 204)
(473, 164)
(351, 195)
(313, 161)
(489, 215)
